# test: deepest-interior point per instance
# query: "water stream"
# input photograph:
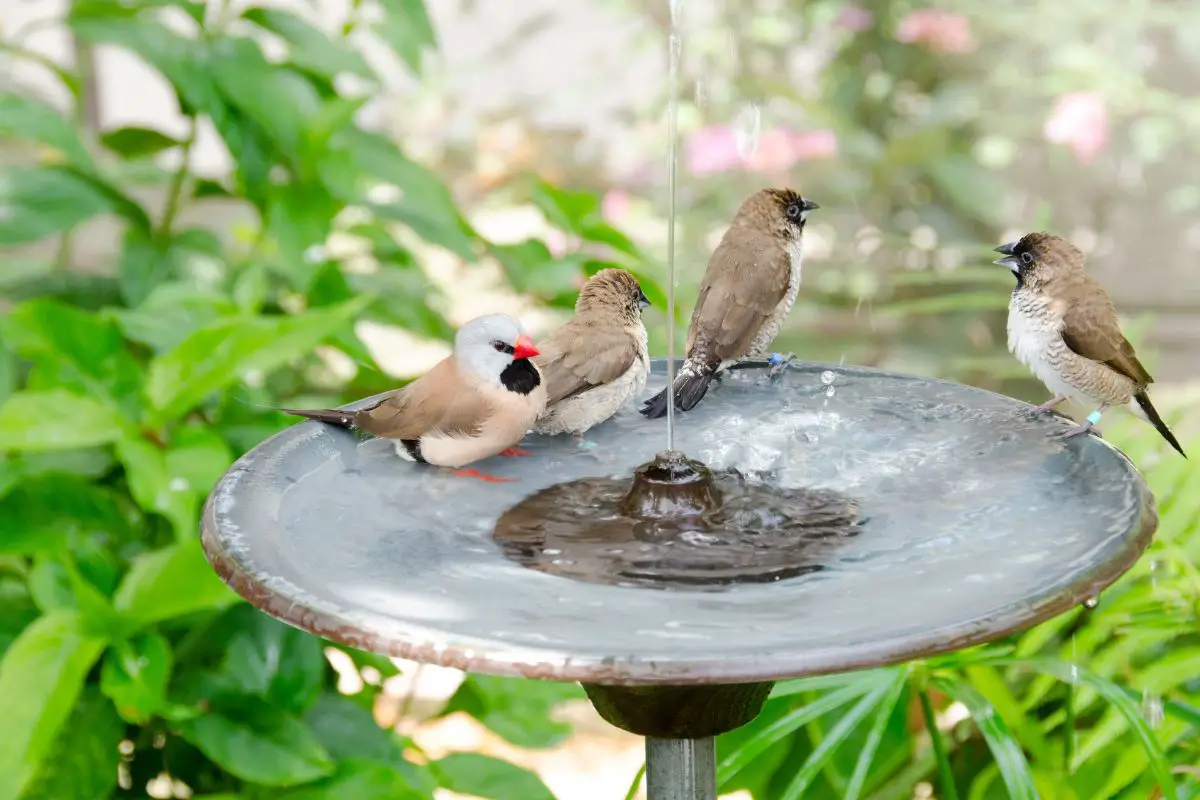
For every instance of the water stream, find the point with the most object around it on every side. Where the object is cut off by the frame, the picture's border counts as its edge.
(674, 54)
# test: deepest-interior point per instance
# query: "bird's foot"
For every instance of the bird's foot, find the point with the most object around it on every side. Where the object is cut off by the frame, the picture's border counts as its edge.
(1045, 407)
(778, 362)
(584, 444)
(483, 476)
(1088, 426)
(513, 452)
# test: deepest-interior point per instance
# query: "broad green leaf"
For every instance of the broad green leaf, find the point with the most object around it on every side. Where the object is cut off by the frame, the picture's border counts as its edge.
(566, 210)
(360, 780)
(518, 710)
(17, 609)
(214, 356)
(33, 121)
(259, 744)
(43, 514)
(154, 487)
(199, 456)
(487, 777)
(37, 202)
(41, 676)
(85, 350)
(143, 266)
(425, 204)
(837, 736)
(137, 142)
(83, 762)
(298, 217)
(277, 662)
(1004, 746)
(310, 49)
(407, 29)
(169, 583)
(134, 676)
(57, 584)
(171, 313)
(347, 730)
(56, 420)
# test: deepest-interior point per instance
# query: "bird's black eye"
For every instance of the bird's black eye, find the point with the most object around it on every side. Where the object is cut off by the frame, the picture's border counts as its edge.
(502, 347)
(794, 211)
(1026, 258)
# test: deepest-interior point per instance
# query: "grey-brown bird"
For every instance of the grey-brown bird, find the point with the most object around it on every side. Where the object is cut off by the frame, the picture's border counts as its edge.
(599, 359)
(747, 292)
(477, 402)
(1063, 326)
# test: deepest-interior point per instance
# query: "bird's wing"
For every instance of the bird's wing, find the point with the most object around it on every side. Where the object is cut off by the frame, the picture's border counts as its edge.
(579, 357)
(1090, 329)
(737, 298)
(440, 401)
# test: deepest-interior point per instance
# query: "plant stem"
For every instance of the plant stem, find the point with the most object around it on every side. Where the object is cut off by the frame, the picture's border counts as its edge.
(1069, 729)
(175, 193)
(637, 781)
(939, 747)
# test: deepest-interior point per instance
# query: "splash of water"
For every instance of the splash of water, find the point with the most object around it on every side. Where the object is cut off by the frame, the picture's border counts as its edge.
(675, 51)
(1152, 708)
(747, 127)
(1091, 602)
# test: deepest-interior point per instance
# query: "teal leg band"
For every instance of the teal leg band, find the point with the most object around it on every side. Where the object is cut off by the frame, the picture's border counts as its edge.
(1094, 417)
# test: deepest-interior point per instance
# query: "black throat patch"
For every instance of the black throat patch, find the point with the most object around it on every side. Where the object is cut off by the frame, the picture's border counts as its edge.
(520, 376)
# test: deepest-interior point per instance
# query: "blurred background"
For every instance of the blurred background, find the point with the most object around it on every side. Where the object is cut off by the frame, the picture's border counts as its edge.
(207, 208)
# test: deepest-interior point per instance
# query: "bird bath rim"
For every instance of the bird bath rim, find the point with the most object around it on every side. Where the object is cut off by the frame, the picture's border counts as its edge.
(421, 643)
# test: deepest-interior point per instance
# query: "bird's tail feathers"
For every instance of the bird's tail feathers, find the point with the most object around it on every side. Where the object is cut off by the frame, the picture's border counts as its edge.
(1151, 414)
(342, 419)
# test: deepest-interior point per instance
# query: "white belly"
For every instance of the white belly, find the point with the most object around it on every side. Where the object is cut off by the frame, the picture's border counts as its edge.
(1031, 338)
(579, 413)
(760, 347)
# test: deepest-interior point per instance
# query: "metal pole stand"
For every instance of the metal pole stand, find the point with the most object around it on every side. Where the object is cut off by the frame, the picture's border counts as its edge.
(679, 723)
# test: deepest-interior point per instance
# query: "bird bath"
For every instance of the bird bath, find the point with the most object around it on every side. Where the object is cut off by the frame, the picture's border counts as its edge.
(963, 522)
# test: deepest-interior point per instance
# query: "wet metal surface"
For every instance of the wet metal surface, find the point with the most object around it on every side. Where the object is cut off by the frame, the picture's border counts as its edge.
(975, 524)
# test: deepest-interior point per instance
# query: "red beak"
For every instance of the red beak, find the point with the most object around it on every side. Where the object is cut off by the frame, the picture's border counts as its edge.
(524, 348)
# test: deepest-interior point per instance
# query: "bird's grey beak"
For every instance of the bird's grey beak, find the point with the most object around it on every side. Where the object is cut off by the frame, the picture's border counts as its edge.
(1009, 260)
(807, 205)
(643, 301)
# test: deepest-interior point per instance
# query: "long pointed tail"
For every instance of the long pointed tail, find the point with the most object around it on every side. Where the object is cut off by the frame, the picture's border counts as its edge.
(1143, 401)
(691, 384)
(342, 419)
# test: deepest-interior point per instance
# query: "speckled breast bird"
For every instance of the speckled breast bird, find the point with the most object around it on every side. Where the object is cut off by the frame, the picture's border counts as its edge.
(599, 359)
(748, 290)
(477, 402)
(1063, 326)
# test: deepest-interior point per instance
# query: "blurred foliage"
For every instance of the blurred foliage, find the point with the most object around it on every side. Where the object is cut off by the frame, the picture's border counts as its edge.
(126, 392)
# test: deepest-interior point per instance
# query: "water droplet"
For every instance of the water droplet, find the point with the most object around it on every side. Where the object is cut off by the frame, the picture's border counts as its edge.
(550, 551)
(830, 391)
(1073, 675)
(700, 93)
(827, 377)
(1152, 708)
(747, 126)
(676, 49)
(1091, 602)
(676, 12)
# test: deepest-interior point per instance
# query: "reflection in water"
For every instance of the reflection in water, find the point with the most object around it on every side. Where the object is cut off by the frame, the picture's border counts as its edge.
(675, 525)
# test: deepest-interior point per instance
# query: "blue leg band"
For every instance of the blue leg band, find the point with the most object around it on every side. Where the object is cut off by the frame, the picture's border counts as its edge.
(776, 359)
(1094, 417)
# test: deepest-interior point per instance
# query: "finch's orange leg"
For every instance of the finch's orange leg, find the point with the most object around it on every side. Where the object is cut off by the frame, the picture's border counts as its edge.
(483, 476)
(512, 452)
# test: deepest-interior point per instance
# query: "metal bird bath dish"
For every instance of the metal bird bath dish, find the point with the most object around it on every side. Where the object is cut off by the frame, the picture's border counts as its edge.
(867, 518)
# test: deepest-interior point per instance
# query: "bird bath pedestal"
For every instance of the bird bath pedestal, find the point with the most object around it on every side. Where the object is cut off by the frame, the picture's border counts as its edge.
(960, 521)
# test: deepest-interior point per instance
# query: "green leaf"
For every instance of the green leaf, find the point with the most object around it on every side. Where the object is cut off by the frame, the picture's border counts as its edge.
(171, 313)
(171, 582)
(57, 584)
(360, 780)
(137, 142)
(259, 744)
(83, 762)
(34, 121)
(298, 217)
(565, 210)
(42, 514)
(199, 456)
(407, 29)
(862, 767)
(347, 730)
(214, 356)
(425, 204)
(142, 267)
(41, 676)
(85, 350)
(153, 486)
(277, 662)
(484, 776)
(517, 710)
(1004, 746)
(56, 420)
(37, 202)
(134, 676)
(311, 49)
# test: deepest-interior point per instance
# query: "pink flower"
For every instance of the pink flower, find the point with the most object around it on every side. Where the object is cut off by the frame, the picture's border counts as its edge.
(714, 149)
(614, 205)
(938, 31)
(854, 18)
(1080, 121)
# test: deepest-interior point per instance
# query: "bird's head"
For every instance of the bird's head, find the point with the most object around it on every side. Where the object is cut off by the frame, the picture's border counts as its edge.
(783, 210)
(1040, 258)
(488, 345)
(613, 290)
